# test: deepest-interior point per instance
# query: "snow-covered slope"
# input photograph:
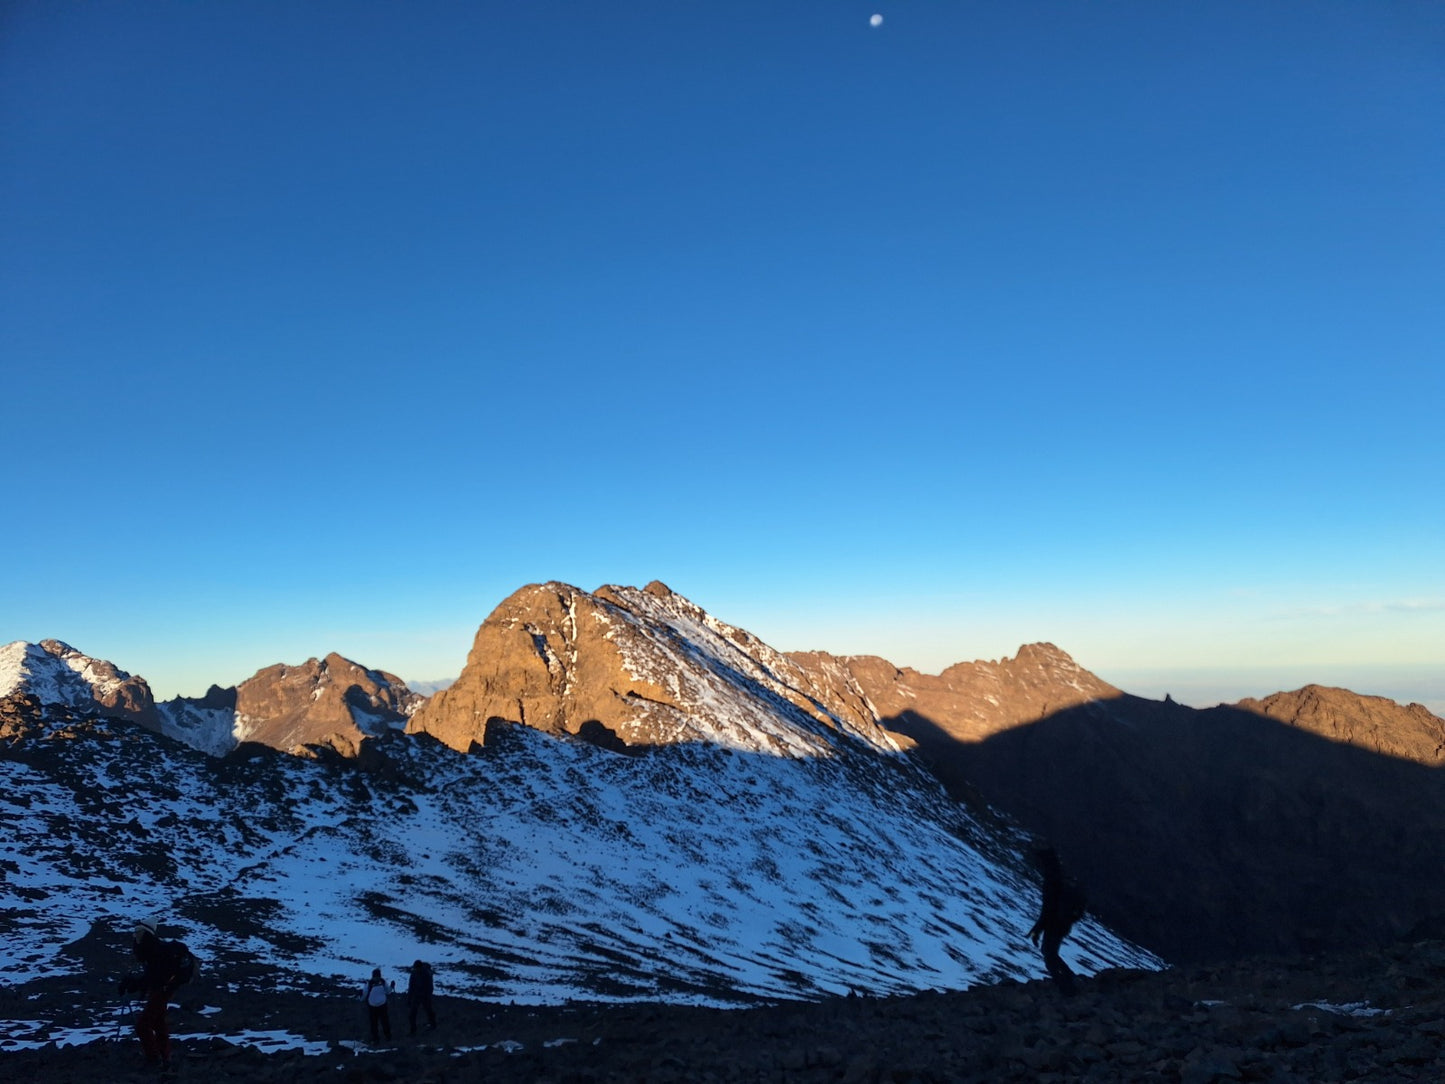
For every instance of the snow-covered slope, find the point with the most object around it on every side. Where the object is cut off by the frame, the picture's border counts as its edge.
(730, 688)
(208, 723)
(538, 869)
(733, 828)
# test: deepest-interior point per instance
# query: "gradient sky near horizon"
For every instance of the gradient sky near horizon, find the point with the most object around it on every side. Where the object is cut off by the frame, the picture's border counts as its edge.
(326, 326)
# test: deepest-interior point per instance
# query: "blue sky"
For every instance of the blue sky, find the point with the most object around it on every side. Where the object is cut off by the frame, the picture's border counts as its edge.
(327, 326)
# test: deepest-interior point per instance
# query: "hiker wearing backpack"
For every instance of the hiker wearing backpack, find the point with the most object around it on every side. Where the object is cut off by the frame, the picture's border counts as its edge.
(374, 997)
(419, 986)
(165, 967)
(1062, 905)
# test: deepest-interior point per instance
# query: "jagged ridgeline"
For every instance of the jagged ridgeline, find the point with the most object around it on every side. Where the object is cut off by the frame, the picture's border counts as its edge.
(620, 798)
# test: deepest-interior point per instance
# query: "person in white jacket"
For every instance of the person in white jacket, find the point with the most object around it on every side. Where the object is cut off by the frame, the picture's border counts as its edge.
(374, 997)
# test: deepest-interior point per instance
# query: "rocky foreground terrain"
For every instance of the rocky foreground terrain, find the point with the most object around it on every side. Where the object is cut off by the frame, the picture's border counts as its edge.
(1368, 1017)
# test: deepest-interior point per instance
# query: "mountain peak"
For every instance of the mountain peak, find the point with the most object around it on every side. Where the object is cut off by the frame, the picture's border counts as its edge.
(331, 702)
(647, 666)
(55, 673)
(1045, 653)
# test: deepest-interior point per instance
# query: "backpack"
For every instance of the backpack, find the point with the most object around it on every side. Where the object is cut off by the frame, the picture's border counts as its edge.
(1073, 901)
(180, 965)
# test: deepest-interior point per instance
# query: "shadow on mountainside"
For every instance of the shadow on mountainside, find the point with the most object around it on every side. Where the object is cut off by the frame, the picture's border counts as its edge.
(1213, 834)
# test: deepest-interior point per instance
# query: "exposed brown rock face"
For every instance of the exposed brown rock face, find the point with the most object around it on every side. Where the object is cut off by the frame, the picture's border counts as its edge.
(647, 666)
(332, 702)
(541, 653)
(19, 717)
(967, 702)
(1369, 722)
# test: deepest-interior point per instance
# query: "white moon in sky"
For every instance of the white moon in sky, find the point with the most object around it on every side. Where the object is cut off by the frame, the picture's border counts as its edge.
(875, 20)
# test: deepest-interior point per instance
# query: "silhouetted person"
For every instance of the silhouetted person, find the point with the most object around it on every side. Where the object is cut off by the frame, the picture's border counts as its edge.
(419, 994)
(1062, 905)
(375, 998)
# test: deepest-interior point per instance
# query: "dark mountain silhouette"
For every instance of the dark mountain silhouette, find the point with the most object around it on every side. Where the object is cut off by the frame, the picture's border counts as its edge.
(1210, 834)
(1306, 820)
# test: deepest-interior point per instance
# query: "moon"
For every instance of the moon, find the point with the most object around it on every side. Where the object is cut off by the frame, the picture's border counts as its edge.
(875, 20)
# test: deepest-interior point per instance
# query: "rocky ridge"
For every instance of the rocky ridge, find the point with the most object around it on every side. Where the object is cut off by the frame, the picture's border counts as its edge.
(1382, 726)
(969, 701)
(330, 703)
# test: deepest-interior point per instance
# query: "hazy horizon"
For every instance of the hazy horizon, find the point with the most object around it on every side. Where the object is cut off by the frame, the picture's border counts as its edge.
(1204, 687)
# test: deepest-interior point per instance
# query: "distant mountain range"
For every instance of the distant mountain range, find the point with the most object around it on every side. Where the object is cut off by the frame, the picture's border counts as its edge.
(624, 796)
(427, 688)
(332, 702)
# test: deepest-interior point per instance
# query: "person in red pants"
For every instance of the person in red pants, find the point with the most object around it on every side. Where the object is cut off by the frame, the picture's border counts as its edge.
(162, 964)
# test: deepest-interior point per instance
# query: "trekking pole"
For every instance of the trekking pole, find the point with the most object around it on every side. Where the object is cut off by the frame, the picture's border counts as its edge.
(120, 1017)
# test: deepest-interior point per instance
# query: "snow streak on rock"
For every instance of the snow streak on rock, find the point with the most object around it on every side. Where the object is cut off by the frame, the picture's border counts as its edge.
(210, 727)
(731, 689)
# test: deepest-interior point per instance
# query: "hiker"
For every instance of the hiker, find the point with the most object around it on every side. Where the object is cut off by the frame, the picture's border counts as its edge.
(1062, 905)
(164, 968)
(418, 994)
(375, 998)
